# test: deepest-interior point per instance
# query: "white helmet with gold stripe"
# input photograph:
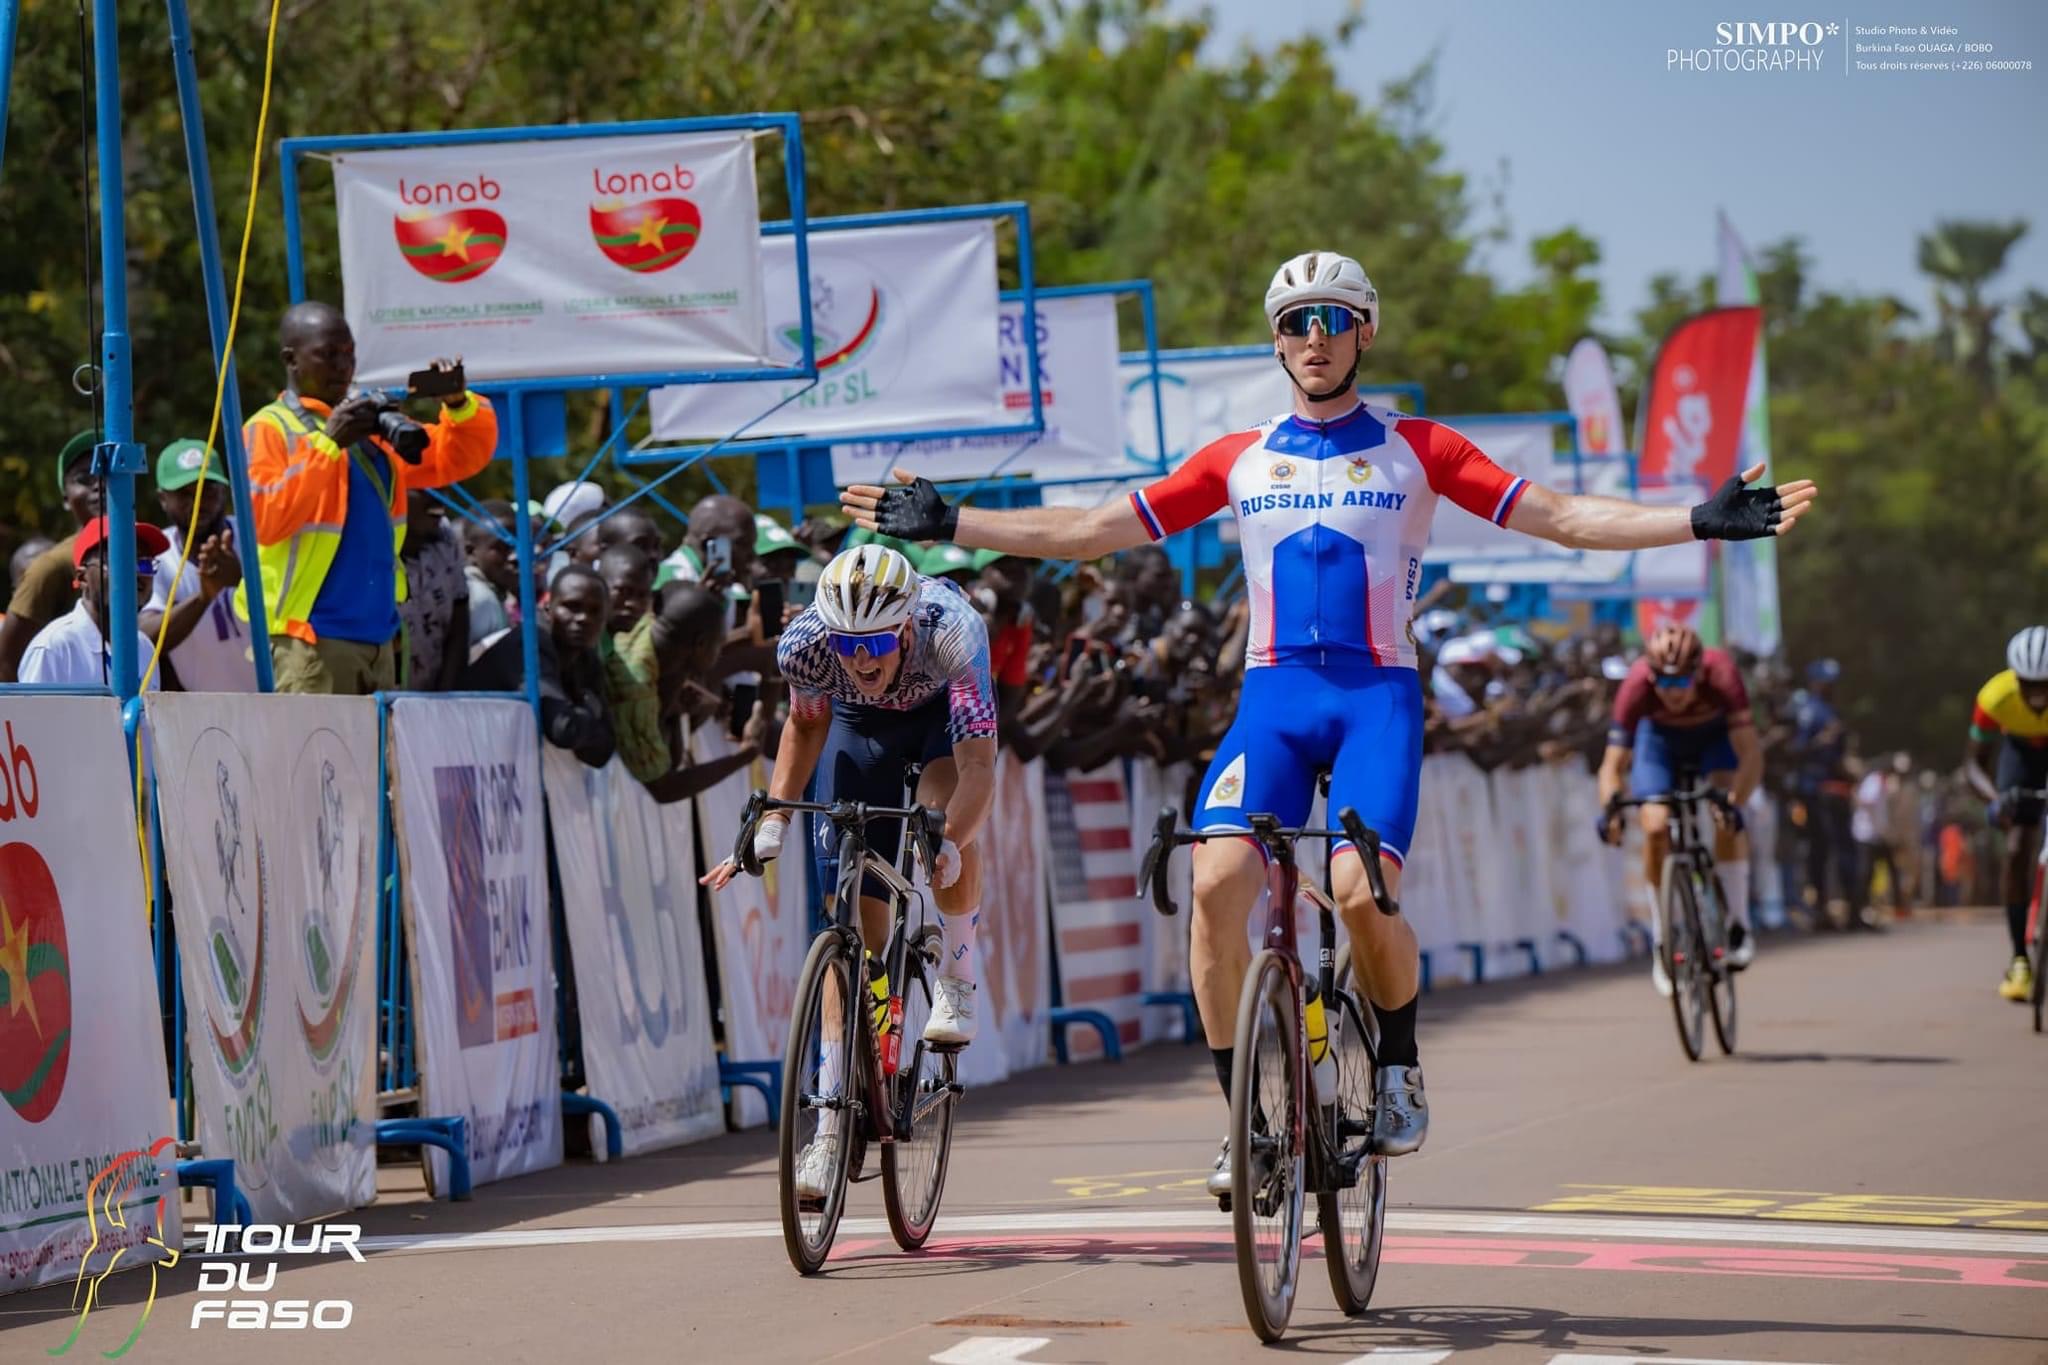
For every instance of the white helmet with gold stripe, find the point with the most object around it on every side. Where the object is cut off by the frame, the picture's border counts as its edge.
(868, 588)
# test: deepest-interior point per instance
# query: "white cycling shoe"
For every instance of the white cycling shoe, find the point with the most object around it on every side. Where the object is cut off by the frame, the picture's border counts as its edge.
(953, 1021)
(1741, 946)
(1660, 978)
(817, 1167)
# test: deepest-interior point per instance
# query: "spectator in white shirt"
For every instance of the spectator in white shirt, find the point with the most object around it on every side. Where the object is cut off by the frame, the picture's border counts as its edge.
(72, 650)
(207, 645)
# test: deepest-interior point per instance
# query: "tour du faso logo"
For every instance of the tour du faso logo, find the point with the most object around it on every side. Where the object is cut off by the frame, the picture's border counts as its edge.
(445, 231)
(1780, 45)
(640, 219)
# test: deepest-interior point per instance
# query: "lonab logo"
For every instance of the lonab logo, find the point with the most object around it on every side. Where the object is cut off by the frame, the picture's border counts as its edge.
(645, 235)
(35, 956)
(444, 233)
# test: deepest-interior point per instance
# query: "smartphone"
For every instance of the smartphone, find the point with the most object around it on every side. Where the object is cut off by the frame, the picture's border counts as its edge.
(742, 696)
(717, 557)
(768, 592)
(435, 383)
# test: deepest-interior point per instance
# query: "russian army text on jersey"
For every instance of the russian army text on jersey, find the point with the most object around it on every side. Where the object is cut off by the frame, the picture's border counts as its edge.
(1332, 518)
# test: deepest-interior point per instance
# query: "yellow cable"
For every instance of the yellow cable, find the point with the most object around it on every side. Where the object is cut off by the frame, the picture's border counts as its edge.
(220, 388)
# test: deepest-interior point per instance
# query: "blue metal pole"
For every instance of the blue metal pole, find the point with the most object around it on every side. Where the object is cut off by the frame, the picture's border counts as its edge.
(10, 14)
(294, 247)
(522, 525)
(211, 274)
(121, 456)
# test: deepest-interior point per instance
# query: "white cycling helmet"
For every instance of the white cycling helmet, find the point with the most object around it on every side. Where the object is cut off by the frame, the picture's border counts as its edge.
(2027, 654)
(1322, 277)
(868, 588)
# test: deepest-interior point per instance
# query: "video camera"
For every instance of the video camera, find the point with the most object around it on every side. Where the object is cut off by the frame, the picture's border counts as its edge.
(405, 436)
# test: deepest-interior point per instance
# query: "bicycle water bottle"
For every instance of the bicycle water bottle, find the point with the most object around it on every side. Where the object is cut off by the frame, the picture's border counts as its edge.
(878, 992)
(1322, 1062)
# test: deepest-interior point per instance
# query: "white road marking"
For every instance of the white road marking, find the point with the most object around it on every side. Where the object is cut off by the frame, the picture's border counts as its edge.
(1584, 1358)
(991, 1350)
(1730, 1230)
(1399, 1355)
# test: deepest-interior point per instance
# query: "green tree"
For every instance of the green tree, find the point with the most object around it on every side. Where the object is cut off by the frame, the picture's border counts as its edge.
(1963, 257)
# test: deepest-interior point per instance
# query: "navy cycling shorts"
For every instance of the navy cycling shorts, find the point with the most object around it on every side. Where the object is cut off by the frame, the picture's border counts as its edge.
(866, 752)
(1662, 750)
(1362, 721)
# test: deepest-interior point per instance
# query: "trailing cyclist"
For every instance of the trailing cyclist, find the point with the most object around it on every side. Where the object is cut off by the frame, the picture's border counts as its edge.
(2011, 716)
(1333, 503)
(887, 669)
(1683, 707)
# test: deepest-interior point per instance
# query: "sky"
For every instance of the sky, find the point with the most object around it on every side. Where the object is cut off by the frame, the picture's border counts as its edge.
(1575, 108)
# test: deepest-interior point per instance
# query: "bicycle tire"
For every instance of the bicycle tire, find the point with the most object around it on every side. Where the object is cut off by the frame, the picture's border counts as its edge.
(1265, 1145)
(807, 1233)
(1354, 1220)
(914, 1165)
(2038, 952)
(1683, 958)
(1720, 975)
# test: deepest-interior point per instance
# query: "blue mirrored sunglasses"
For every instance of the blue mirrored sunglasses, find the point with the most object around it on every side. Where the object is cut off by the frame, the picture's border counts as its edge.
(1674, 681)
(878, 644)
(1334, 317)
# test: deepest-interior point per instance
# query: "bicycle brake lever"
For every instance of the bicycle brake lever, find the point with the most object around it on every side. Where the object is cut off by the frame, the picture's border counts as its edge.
(750, 823)
(1152, 875)
(1367, 840)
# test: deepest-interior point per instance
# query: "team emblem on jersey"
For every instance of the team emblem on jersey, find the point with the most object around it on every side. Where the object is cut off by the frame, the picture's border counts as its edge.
(1358, 471)
(1282, 470)
(1229, 788)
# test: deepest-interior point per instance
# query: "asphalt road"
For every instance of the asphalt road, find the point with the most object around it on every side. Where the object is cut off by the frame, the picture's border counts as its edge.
(1867, 1180)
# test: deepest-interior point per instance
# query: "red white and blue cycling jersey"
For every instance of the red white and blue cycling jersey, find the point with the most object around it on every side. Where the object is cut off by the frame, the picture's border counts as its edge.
(1332, 519)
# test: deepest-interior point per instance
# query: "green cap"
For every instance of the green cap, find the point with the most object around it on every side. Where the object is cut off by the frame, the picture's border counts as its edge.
(771, 537)
(77, 448)
(984, 558)
(941, 560)
(179, 464)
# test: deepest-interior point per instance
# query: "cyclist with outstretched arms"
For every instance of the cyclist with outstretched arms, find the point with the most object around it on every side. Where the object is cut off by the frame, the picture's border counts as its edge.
(1333, 502)
(1682, 706)
(2010, 719)
(887, 668)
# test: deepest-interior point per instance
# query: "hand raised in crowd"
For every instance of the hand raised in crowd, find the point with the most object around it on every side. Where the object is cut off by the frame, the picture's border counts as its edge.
(219, 569)
(352, 420)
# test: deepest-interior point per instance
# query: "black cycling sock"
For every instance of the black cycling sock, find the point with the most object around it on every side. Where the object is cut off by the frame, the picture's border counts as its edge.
(1222, 1057)
(2016, 925)
(1397, 1034)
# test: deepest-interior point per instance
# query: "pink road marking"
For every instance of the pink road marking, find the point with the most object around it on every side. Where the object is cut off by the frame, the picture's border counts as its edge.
(1528, 1254)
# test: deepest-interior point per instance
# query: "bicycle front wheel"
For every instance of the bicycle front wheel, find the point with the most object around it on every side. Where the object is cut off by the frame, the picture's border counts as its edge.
(820, 1082)
(1684, 958)
(1265, 1145)
(914, 1165)
(1720, 975)
(2037, 952)
(1354, 1217)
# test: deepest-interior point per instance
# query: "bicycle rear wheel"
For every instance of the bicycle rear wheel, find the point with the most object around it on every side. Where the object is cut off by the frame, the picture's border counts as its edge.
(1265, 1145)
(820, 1080)
(1354, 1218)
(1684, 958)
(2037, 952)
(1720, 976)
(914, 1165)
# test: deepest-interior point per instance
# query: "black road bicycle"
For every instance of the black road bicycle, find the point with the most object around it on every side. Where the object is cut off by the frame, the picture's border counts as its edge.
(2037, 924)
(1694, 914)
(856, 1066)
(1284, 1140)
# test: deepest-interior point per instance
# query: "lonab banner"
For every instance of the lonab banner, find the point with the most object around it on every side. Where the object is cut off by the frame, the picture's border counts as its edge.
(85, 1114)
(614, 255)
(269, 813)
(906, 332)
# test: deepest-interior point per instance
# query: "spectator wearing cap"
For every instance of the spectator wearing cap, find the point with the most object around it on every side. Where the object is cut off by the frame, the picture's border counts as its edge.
(568, 503)
(43, 592)
(434, 617)
(573, 714)
(72, 650)
(780, 554)
(206, 644)
(330, 494)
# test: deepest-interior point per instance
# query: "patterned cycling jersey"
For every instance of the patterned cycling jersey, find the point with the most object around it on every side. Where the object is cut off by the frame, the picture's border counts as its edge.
(948, 650)
(1332, 519)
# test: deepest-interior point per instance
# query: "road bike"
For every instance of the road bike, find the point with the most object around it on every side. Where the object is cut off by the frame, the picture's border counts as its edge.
(864, 1075)
(2037, 910)
(1285, 1141)
(1693, 915)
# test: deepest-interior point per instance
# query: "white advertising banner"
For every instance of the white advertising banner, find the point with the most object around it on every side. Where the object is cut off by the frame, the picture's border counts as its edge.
(1201, 400)
(466, 778)
(1077, 374)
(269, 813)
(87, 1163)
(629, 897)
(763, 924)
(905, 340)
(1590, 395)
(1525, 448)
(1013, 941)
(603, 255)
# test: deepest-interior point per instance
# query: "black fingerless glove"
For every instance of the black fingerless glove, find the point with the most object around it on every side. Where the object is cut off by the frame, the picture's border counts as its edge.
(915, 511)
(1737, 513)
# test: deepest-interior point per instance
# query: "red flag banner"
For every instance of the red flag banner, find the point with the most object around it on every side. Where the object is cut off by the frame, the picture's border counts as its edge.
(1693, 413)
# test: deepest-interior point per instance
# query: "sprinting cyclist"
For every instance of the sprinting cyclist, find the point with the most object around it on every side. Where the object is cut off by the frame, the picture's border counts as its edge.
(1684, 706)
(2011, 716)
(885, 669)
(1333, 504)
